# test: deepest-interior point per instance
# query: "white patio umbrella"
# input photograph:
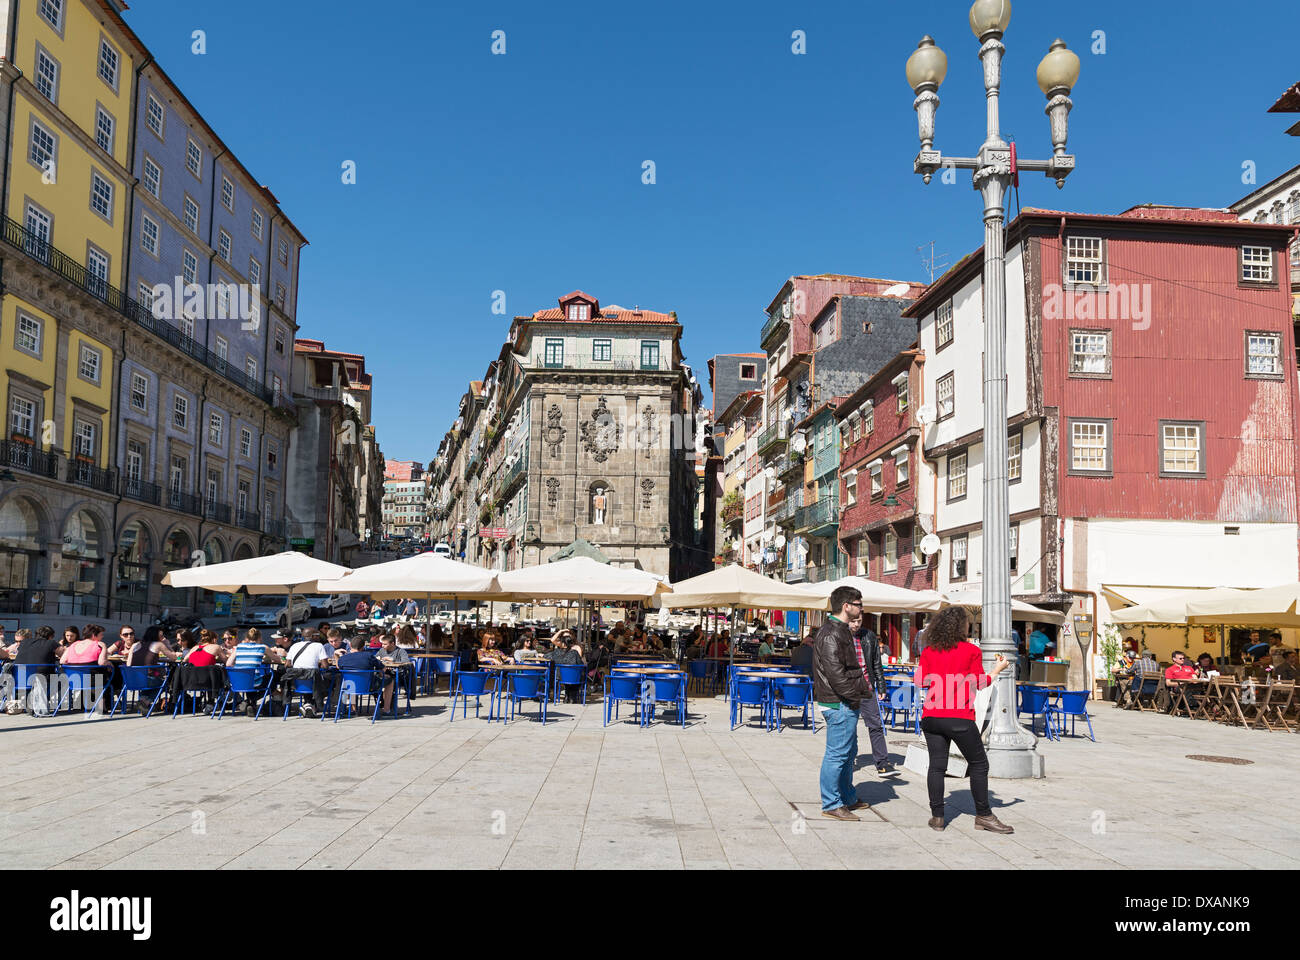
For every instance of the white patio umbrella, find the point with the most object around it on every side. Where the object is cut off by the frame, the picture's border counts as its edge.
(426, 574)
(1270, 607)
(972, 599)
(278, 573)
(1174, 608)
(878, 597)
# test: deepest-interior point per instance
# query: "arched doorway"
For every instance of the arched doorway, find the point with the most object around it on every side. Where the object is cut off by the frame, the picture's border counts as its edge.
(131, 591)
(80, 576)
(20, 557)
(213, 552)
(243, 552)
(176, 556)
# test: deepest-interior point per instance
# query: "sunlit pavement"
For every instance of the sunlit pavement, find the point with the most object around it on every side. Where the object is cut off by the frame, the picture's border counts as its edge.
(422, 792)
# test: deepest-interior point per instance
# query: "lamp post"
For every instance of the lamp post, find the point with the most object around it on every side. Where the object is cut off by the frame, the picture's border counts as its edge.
(1011, 748)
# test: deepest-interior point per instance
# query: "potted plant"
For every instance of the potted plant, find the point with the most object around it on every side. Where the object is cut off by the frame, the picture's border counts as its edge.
(1110, 649)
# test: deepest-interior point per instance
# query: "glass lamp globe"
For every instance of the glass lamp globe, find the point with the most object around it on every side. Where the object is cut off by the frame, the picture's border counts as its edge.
(1059, 69)
(927, 65)
(988, 16)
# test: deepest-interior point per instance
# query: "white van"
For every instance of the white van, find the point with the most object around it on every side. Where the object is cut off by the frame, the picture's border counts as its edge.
(442, 550)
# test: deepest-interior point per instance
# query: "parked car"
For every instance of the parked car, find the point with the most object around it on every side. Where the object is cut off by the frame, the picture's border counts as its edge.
(271, 610)
(442, 549)
(328, 606)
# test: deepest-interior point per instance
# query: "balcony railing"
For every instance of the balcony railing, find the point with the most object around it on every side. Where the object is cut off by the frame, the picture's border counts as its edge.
(248, 520)
(274, 529)
(776, 433)
(182, 501)
(511, 476)
(141, 490)
(89, 475)
(216, 511)
(587, 362)
(42, 251)
(770, 327)
(827, 572)
(824, 512)
(28, 457)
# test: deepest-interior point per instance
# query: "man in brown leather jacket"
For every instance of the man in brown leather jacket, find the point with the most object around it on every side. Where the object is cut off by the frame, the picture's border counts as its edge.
(838, 689)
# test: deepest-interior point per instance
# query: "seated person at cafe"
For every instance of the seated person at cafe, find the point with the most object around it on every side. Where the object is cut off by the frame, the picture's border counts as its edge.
(1176, 673)
(392, 653)
(694, 650)
(363, 658)
(122, 645)
(1205, 665)
(487, 652)
(305, 659)
(765, 648)
(39, 648)
(201, 668)
(526, 651)
(1128, 664)
(1287, 670)
(801, 658)
(252, 652)
(567, 654)
(1260, 669)
(90, 651)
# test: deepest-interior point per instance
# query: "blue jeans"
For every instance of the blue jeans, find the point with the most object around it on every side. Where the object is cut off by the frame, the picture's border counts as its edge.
(837, 763)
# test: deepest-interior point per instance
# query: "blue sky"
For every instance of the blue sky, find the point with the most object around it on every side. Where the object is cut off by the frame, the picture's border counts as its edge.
(522, 172)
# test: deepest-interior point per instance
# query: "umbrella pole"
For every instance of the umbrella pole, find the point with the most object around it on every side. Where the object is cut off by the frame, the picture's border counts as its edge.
(428, 621)
(1222, 653)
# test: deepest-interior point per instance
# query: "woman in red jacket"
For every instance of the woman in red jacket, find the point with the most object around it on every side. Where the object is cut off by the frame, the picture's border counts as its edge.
(950, 671)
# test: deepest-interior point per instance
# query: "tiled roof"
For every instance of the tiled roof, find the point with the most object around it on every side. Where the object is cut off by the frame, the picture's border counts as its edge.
(610, 316)
(1289, 102)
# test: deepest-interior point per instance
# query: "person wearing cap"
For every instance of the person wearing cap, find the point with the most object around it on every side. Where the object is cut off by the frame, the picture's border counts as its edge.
(1128, 663)
(392, 653)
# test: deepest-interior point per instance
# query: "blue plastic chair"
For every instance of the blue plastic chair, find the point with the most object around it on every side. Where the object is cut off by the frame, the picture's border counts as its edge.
(360, 684)
(22, 679)
(304, 688)
(1034, 701)
(906, 699)
(141, 681)
(1072, 704)
(241, 681)
(702, 673)
(529, 685)
(443, 667)
(569, 674)
(82, 679)
(623, 688)
(471, 683)
(792, 694)
(749, 693)
(668, 688)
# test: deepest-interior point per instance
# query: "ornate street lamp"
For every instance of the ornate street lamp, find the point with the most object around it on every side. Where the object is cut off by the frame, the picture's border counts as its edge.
(1010, 747)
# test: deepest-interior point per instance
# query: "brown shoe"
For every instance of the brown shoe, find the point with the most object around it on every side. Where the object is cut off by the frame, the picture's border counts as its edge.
(840, 813)
(936, 823)
(992, 823)
(860, 805)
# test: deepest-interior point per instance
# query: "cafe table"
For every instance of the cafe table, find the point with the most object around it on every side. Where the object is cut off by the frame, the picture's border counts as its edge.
(502, 670)
(1180, 705)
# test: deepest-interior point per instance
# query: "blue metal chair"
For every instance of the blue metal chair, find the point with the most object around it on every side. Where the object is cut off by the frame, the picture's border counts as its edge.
(702, 673)
(623, 688)
(358, 685)
(569, 674)
(668, 688)
(22, 679)
(241, 681)
(471, 683)
(792, 694)
(749, 693)
(443, 667)
(304, 688)
(142, 681)
(1034, 701)
(908, 700)
(1072, 704)
(527, 685)
(82, 679)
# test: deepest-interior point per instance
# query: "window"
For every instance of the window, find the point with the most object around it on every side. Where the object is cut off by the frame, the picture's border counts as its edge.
(1182, 450)
(1263, 355)
(97, 272)
(1013, 544)
(245, 443)
(891, 551)
(22, 417)
(47, 76)
(152, 179)
(186, 322)
(943, 324)
(876, 470)
(144, 294)
(851, 488)
(649, 354)
(944, 392)
(1083, 260)
(109, 59)
(52, 11)
(902, 469)
(868, 419)
(191, 215)
(283, 253)
(1090, 353)
(602, 350)
(135, 455)
(189, 266)
(279, 294)
(223, 245)
(250, 369)
(180, 412)
(43, 146)
(214, 486)
(958, 570)
(554, 356)
(216, 424)
(101, 196)
(179, 471)
(749, 371)
(855, 429)
(918, 555)
(222, 349)
(900, 386)
(1013, 457)
(1090, 446)
(227, 194)
(255, 272)
(88, 368)
(139, 392)
(824, 330)
(277, 387)
(85, 438)
(279, 340)
(153, 115)
(257, 224)
(104, 126)
(241, 498)
(272, 455)
(956, 476)
(578, 311)
(194, 158)
(27, 338)
(1257, 264)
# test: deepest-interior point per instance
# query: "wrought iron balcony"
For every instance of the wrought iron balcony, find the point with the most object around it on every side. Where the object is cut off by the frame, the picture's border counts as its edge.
(659, 364)
(248, 520)
(141, 490)
(21, 455)
(217, 511)
(511, 476)
(776, 433)
(180, 500)
(89, 475)
(770, 327)
(825, 512)
(274, 529)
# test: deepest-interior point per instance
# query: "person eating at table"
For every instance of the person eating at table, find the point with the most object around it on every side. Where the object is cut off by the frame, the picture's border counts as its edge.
(568, 653)
(487, 652)
(1178, 673)
(89, 651)
(363, 658)
(122, 645)
(393, 654)
(765, 648)
(1205, 666)
(1262, 668)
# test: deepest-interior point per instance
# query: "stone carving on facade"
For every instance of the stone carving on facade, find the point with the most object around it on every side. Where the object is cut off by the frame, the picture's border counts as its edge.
(648, 435)
(553, 493)
(602, 433)
(553, 433)
(647, 491)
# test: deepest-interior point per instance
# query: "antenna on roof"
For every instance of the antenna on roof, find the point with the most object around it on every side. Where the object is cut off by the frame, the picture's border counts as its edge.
(933, 261)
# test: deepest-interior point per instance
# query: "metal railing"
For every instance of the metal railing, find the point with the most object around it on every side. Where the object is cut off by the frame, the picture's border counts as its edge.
(776, 433)
(274, 529)
(89, 475)
(770, 327)
(248, 519)
(588, 362)
(141, 490)
(28, 457)
(42, 251)
(175, 499)
(217, 511)
(824, 512)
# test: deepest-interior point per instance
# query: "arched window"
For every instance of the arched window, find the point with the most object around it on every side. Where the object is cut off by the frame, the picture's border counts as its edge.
(131, 587)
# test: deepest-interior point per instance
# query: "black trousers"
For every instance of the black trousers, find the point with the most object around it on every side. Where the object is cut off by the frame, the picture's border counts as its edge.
(940, 734)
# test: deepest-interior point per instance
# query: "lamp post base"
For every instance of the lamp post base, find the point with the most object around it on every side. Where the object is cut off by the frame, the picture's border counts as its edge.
(1014, 756)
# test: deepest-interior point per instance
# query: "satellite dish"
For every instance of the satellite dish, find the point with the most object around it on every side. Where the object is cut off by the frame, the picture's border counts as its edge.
(780, 540)
(799, 443)
(930, 544)
(925, 415)
(898, 290)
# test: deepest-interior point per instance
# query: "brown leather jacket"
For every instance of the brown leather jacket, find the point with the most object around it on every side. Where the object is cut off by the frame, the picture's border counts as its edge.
(837, 677)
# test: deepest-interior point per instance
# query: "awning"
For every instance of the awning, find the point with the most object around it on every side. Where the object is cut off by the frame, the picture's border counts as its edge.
(1130, 595)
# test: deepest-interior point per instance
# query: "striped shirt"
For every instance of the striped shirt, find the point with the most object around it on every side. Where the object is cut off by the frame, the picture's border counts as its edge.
(250, 654)
(862, 661)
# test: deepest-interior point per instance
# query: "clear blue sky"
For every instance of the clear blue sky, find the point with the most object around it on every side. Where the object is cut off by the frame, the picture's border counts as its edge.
(523, 172)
